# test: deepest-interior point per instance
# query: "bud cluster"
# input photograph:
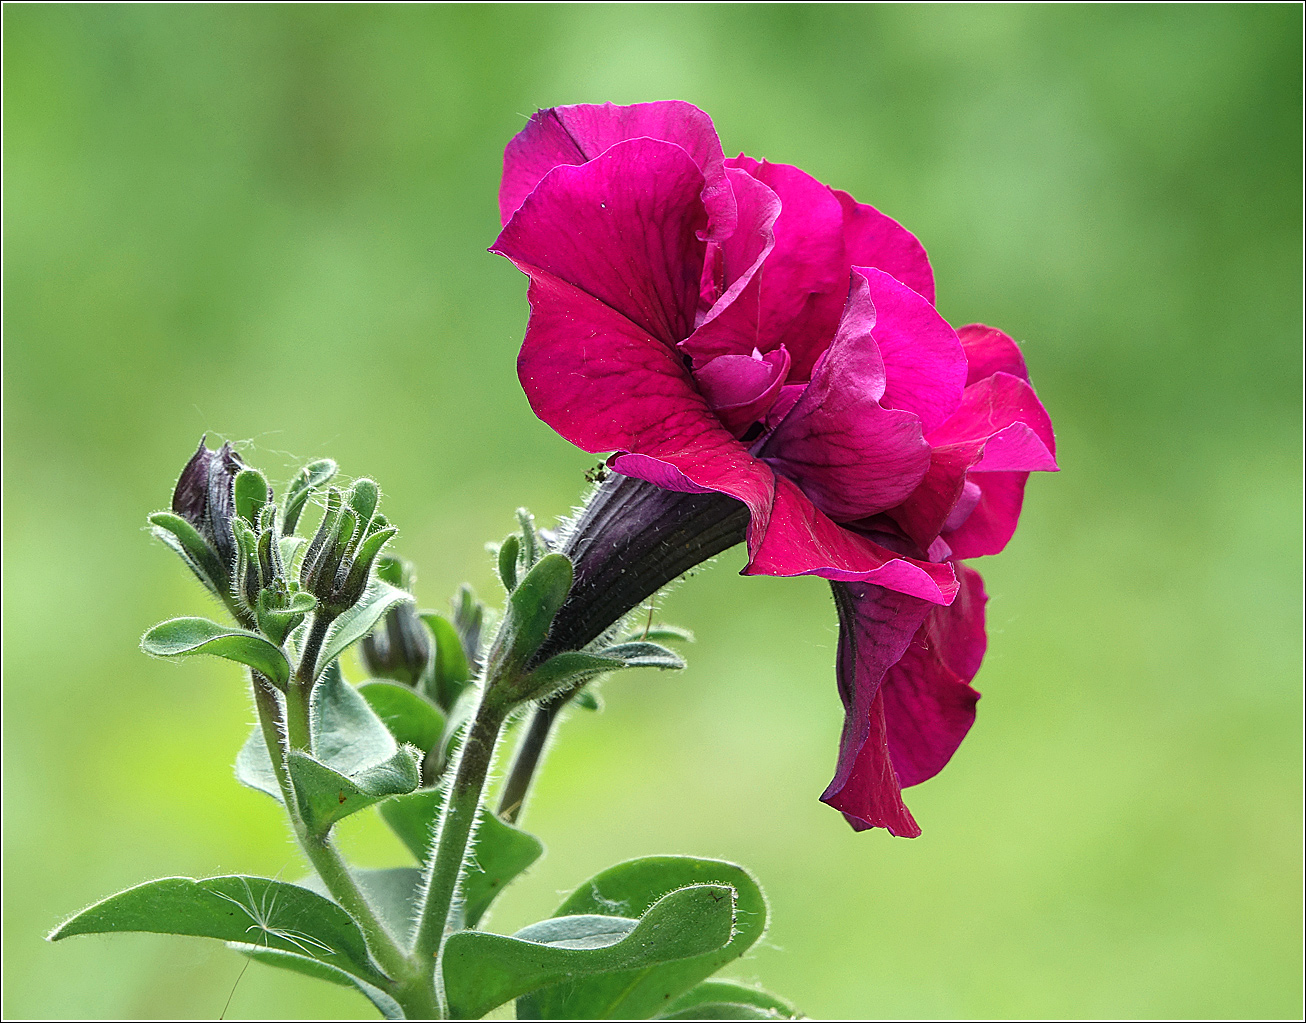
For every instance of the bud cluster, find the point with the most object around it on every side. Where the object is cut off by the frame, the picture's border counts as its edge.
(338, 562)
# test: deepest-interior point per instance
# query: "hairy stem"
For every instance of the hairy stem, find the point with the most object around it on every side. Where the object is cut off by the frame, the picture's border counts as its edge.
(299, 694)
(446, 867)
(411, 988)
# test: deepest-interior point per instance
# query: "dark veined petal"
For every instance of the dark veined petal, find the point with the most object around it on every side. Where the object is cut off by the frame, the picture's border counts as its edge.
(876, 626)
(851, 456)
(574, 135)
(928, 704)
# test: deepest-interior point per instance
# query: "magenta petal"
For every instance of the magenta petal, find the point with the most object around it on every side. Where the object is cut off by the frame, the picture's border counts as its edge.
(654, 470)
(988, 412)
(928, 705)
(923, 359)
(605, 385)
(872, 239)
(574, 135)
(989, 527)
(741, 388)
(624, 229)
(849, 455)
(990, 351)
(799, 539)
(876, 627)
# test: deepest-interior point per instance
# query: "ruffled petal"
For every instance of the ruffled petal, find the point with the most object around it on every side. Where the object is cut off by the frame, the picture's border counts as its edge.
(852, 457)
(1000, 427)
(923, 360)
(876, 626)
(990, 526)
(928, 705)
(604, 384)
(742, 388)
(872, 239)
(574, 135)
(624, 228)
(990, 351)
(799, 539)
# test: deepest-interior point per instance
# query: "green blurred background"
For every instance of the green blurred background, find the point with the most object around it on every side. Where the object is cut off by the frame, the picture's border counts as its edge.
(270, 223)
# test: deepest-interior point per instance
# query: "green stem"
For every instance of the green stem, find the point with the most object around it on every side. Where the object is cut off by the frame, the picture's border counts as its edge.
(447, 864)
(526, 761)
(299, 694)
(411, 988)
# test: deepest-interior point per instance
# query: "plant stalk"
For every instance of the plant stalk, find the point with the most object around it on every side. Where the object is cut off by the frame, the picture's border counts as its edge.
(299, 694)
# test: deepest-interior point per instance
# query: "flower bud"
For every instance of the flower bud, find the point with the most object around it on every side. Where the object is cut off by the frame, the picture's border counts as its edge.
(400, 648)
(338, 563)
(204, 497)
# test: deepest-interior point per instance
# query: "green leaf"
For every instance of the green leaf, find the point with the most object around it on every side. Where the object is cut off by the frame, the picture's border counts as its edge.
(451, 673)
(500, 852)
(325, 796)
(393, 892)
(531, 610)
(193, 549)
(182, 637)
(386, 1005)
(726, 999)
(482, 971)
(358, 621)
(410, 717)
(644, 655)
(249, 495)
(254, 768)
(239, 908)
(567, 669)
(308, 479)
(627, 890)
(507, 559)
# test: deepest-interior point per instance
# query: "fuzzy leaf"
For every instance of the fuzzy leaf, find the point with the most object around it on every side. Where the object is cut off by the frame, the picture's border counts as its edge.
(530, 613)
(565, 670)
(482, 971)
(239, 908)
(644, 655)
(182, 637)
(627, 890)
(358, 621)
(452, 672)
(507, 556)
(726, 999)
(193, 549)
(410, 717)
(392, 892)
(325, 796)
(308, 479)
(386, 1005)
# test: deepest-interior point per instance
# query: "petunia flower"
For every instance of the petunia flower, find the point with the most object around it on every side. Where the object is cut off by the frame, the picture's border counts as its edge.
(736, 331)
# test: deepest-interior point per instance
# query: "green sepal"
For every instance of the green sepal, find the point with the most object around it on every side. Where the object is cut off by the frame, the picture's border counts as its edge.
(530, 613)
(644, 655)
(451, 672)
(325, 796)
(279, 622)
(363, 497)
(182, 637)
(531, 548)
(469, 619)
(237, 908)
(500, 851)
(193, 549)
(627, 889)
(727, 999)
(482, 971)
(367, 551)
(249, 493)
(291, 548)
(587, 699)
(308, 479)
(508, 553)
(317, 547)
(355, 623)
(410, 717)
(387, 1006)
